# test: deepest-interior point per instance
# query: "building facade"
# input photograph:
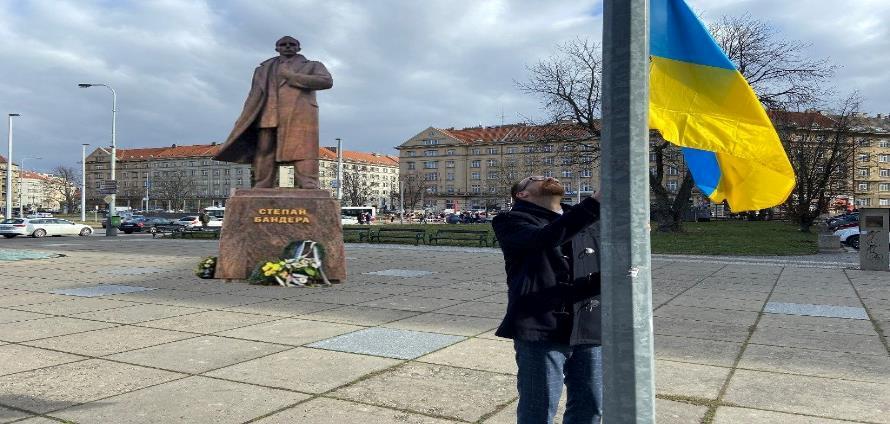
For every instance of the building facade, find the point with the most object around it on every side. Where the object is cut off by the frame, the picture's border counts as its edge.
(871, 177)
(4, 168)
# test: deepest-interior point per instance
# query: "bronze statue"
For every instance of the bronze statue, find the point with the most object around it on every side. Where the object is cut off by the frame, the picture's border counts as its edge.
(279, 123)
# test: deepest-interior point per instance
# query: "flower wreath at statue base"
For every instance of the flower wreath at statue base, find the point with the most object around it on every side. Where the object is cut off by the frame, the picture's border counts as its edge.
(300, 265)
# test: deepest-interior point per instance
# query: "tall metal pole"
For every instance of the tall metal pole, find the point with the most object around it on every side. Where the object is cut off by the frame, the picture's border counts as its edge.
(83, 182)
(401, 203)
(8, 210)
(110, 230)
(22, 184)
(340, 170)
(628, 368)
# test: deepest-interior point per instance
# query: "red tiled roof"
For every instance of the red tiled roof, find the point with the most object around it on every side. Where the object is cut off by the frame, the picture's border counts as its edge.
(801, 119)
(208, 150)
(517, 133)
(364, 157)
(35, 175)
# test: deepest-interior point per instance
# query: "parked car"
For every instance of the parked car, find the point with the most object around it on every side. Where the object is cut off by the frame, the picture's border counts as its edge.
(40, 227)
(192, 221)
(139, 225)
(843, 221)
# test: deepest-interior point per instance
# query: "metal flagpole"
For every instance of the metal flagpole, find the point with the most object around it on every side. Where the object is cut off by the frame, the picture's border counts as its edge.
(629, 389)
(340, 170)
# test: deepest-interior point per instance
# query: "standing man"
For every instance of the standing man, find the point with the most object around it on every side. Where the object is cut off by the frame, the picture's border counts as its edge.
(553, 308)
(204, 218)
(279, 123)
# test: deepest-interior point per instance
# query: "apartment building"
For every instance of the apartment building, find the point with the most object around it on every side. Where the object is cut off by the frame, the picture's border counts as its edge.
(38, 191)
(373, 177)
(871, 177)
(4, 168)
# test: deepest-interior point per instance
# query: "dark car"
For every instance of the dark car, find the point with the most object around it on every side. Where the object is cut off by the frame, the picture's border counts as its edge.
(139, 225)
(843, 221)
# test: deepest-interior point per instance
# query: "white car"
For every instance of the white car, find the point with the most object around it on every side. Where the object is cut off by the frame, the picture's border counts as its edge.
(192, 221)
(40, 227)
(849, 236)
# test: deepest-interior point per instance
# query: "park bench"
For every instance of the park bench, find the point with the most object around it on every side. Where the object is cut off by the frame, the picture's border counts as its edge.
(198, 232)
(480, 236)
(418, 235)
(362, 233)
(166, 230)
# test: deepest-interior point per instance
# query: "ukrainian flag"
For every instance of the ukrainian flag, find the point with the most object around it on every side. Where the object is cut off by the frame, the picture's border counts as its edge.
(699, 101)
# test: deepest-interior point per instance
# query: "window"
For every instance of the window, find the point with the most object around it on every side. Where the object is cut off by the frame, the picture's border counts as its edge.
(548, 173)
(884, 202)
(492, 190)
(475, 151)
(566, 160)
(672, 170)
(863, 202)
(449, 164)
(193, 173)
(475, 176)
(547, 148)
(884, 187)
(431, 153)
(203, 172)
(672, 185)
(476, 164)
(492, 150)
(567, 174)
(548, 161)
(885, 143)
(885, 172)
(491, 162)
(227, 171)
(862, 157)
(410, 165)
(431, 176)
(862, 172)
(529, 149)
(492, 175)
(216, 172)
(862, 187)
(411, 153)
(475, 189)
(205, 162)
(450, 176)
(430, 142)
(449, 189)
(586, 187)
(568, 187)
(449, 152)
(585, 173)
(431, 164)
(884, 158)
(511, 150)
(239, 171)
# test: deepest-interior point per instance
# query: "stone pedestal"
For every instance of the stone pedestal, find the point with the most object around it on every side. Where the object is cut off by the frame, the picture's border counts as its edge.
(830, 243)
(260, 222)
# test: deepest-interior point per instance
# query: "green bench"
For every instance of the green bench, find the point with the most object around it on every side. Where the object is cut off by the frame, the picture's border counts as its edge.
(362, 233)
(418, 235)
(480, 236)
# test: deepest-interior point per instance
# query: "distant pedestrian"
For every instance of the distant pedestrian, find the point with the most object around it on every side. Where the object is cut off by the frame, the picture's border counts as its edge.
(204, 218)
(361, 218)
(553, 306)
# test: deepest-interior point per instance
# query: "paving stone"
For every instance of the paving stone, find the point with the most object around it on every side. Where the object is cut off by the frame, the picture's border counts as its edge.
(160, 296)
(340, 297)
(851, 366)
(731, 415)
(333, 411)
(12, 315)
(18, 358)
(400, 273)
(671, 412)
(452, 293)
(49, 389)
(388, 342)
(446, 324)
(698, 351)
(101, 290)
(411, 303)
(476, 309)
(832, 325)
(305, 370)
(479, 354)
(9, 415)
(74, 306)
(795, 337)
(109, 340)
(824, 397)
(138, 313)
(30, 298)
(706, 314)
(831, 311)
(199, 354)
(701, 329)
(283, 307)
(186, 401)
(208, 322)
(291, 331)
(48, 327)
(219, 301)
(360, 315)
(381, 288)
(677, 378)
(457, 393)
(718, 303)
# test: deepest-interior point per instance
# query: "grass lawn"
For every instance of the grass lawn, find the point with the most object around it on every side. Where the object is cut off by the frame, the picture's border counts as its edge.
(766, 238)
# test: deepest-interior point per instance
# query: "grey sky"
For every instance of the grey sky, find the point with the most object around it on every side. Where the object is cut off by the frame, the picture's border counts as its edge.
(182, 68)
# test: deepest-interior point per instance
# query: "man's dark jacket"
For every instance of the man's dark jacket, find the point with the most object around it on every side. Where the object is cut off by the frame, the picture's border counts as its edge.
(552, 263)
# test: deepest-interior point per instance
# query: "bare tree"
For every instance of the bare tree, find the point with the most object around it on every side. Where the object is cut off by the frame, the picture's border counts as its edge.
(822, 150)
(413, 188)
(64, 184)
(356, 190)
(779, 70)
(174, 188)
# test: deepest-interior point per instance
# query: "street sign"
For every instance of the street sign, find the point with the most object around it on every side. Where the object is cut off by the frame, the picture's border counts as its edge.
(335, 184)
(107, 199)
(108, 187)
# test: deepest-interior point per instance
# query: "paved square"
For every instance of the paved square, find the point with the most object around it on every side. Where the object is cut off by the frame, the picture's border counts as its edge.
(101, 290)
(831, 311)
(388, 342)
(400, 273)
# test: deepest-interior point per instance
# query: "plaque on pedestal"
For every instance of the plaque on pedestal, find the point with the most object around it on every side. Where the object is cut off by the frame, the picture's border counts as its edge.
(260, 222)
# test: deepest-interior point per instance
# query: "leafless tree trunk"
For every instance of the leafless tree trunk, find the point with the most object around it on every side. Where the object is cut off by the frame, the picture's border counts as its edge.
(174, 188)
(65, 184)
(822, 150)
(356, 190)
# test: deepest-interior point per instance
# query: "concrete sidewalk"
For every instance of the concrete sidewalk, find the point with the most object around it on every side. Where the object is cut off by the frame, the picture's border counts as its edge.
(409, 339)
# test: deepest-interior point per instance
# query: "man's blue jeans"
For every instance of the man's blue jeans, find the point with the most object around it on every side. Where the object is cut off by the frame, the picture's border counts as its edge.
(544, 367)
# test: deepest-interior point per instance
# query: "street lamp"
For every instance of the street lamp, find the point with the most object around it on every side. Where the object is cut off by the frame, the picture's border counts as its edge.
(110, 229)
(339, 170)
(22, 184)
(83, 182)
(8, 210)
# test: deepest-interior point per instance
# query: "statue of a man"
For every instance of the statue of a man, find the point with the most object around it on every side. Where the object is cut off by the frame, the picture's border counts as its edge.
(279, 123)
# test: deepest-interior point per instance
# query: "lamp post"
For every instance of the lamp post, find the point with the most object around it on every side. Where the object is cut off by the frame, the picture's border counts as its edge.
(83, 182)
(8, 210)
(339, 170)
(110, 229)
(22, 184)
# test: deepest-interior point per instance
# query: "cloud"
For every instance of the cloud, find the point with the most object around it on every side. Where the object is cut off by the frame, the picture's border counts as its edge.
(182, 69)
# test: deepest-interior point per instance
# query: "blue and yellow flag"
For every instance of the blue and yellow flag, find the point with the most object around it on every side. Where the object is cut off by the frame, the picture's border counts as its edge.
(699, 101)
